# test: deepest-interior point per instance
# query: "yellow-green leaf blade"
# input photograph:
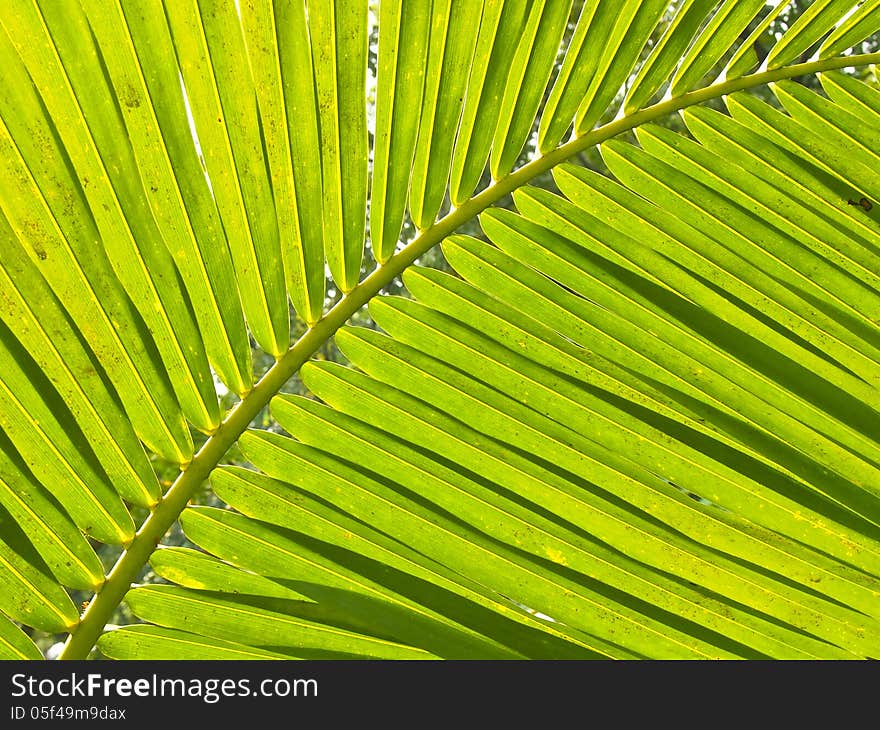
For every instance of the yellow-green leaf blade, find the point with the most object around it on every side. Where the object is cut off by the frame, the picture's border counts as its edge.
(159, 644)
(666, 54)
(619, 57)
(816, 21)
(213, 63)
(500, 28)
(175, 182)
(860, 25)
(31, 594)
(339, 51)
(47, 526)
(529, 73)
(15, 644)
(281, 60)
(262, 623)
(716, 38)
(403, 54)
(450, 58)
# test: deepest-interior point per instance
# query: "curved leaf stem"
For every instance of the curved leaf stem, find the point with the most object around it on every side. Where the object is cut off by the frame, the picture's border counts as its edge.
(163, 515)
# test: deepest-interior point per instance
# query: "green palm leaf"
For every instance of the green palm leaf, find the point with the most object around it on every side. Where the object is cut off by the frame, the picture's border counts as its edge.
(637, 418)
(14, 644)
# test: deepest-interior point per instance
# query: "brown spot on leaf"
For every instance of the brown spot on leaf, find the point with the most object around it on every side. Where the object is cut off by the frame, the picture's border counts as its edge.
(130, 97)
(863, 203)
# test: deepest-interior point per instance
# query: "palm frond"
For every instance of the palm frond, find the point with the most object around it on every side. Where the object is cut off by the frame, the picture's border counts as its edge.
(640, 419)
